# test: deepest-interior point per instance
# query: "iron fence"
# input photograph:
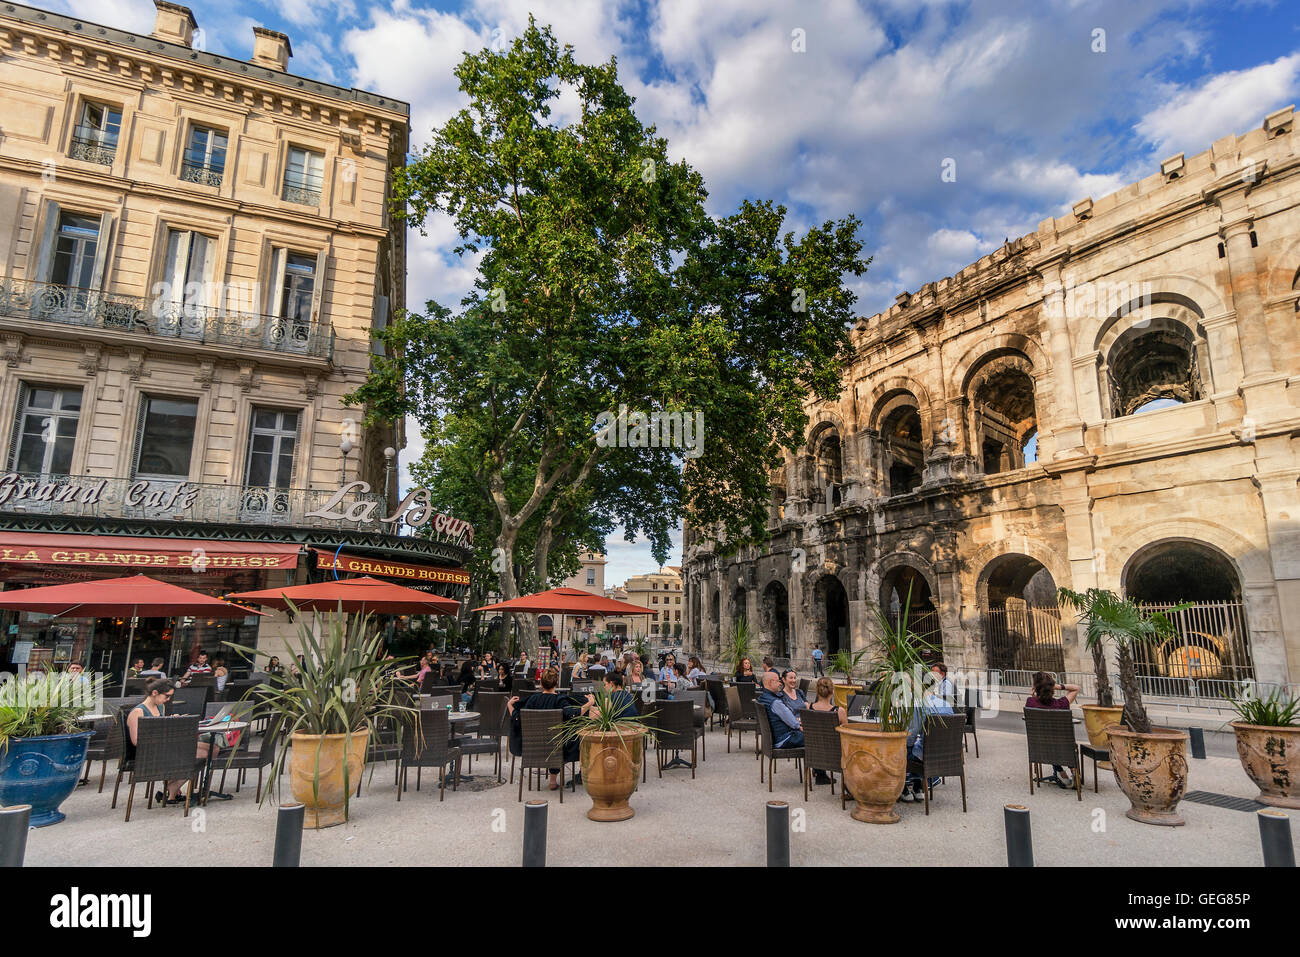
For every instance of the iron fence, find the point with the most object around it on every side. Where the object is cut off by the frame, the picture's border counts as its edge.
(1212, 643)
(1024, 639)
(74, 306)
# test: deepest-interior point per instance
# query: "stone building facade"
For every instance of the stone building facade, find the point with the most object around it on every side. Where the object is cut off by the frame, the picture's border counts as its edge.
(1111, 401)
(194, 250)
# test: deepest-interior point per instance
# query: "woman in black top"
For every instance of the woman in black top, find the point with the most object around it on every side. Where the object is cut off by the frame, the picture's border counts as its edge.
(504, 678)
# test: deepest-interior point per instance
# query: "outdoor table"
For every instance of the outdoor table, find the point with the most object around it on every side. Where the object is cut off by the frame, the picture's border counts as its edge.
(859, 719)
(90, 718)
(210, 731)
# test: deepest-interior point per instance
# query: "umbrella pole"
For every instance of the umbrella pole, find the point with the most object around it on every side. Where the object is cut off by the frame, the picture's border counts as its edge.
(130, 640)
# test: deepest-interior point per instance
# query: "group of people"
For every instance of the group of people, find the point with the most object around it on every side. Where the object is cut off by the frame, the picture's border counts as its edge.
(199, 666)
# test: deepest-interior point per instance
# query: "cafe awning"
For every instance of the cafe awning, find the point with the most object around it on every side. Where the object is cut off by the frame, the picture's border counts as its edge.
(129, 552)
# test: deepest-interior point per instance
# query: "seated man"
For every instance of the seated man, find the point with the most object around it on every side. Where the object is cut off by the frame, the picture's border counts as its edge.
(624, 702)
(932, 704)
(787, 732)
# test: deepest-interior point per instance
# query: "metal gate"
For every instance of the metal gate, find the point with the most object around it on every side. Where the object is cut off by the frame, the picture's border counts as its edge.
(925, 625)
(1024, 639)
(1212, 643)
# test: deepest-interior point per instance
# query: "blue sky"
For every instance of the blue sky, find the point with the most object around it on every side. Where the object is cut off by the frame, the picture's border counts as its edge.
(1034, 116)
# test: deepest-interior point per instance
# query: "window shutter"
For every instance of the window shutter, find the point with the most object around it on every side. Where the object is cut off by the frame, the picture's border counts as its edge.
(275, 306)
(102, 250)
(318, 287)
(139, 434)
(297, 447)
(45, 256)
(15, 430)
(380, 324)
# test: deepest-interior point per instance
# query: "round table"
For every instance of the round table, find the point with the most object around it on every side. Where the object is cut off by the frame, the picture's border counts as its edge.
(460, 717)
(90, 718)
(859, 719)
(210, 731)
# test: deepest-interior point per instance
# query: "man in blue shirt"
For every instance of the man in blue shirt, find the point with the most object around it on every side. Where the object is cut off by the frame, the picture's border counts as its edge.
(932, 704)
(817, 661)
(786, 730)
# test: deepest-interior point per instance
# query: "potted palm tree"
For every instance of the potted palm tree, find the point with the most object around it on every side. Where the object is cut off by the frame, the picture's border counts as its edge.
(1150, 764)
(1096, 717)
(42, 747)
(844, 662)
(611, 747)
(1268, 743)
(738, 645)
(875, 755)
(329, 708)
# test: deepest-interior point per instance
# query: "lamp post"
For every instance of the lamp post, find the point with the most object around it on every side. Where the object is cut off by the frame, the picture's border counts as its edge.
(390, 455)
(345, 446)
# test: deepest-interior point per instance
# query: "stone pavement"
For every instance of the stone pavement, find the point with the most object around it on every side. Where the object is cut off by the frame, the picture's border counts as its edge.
(716, 819)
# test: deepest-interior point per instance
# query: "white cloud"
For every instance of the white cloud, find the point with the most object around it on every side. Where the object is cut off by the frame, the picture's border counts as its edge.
(1194, 117)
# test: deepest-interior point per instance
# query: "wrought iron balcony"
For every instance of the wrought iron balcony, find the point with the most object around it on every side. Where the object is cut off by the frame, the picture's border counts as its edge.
(83, 496)
(205, 174)
(302, 189)
(93, 145)
(69, 305)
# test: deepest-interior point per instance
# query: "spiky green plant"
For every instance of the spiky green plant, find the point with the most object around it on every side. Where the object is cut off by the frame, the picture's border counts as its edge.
(345, 685)
(895, 670)
(602, 718)
(1276, 710)
(739, 644)
(844, 662)
(37, 704)
(1107, 617)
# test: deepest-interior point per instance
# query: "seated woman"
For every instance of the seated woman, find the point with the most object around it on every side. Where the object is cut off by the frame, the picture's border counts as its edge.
(696, 670)
(579, 668)
(825, 701)
(466, 680)
(745, 670)
(273, 667)
(545, 700)
(504, 678)
(221, 673)
(1044, 697)
(157, 693)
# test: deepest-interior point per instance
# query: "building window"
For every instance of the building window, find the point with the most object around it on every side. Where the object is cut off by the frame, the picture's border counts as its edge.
(591, 576)
(677, 616)
(46, 430)
(94, 139)
(303, 177)
(293, 305)
(187, 274)
(271, 443)
(165, 437)
(74, 251)
(204, 161)
(654, 600)
(654, 585)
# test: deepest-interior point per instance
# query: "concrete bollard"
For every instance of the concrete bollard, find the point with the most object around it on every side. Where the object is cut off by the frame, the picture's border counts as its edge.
(1020, 843)
(288, 835)
(1198, 742)
(535, 834)
(1275, 836)
(778, 834)
(15, 822)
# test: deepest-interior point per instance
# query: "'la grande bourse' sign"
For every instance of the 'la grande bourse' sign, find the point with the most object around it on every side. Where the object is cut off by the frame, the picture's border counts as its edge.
(415, 510)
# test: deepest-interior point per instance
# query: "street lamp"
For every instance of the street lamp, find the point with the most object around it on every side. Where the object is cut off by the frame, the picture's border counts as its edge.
(390, 454)
(345, 446)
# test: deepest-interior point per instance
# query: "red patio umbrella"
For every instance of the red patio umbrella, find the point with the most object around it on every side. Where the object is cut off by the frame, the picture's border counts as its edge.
(136, 595)
(353, 595)
(567, 601)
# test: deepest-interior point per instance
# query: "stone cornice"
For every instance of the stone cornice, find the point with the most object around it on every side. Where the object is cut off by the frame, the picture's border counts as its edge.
(150, 62)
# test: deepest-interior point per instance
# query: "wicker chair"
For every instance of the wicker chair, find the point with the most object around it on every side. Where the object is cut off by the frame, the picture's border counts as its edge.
(165, 751)
(584, 686)
(859, 702)
(677, 730)
(748, 691)
(771, 754)
(491, 706)
(436, 702)
(972, 702)
(942, 755)
(821, 744)
(736, 722)
(245, 758)
(698, 697)
(718, 696)
(1049, 736)
(541, 752)
(428, 749)
(384, 744)
(191, 701)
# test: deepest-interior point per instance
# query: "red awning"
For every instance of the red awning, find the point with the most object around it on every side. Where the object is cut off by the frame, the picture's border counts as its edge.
(353, 595)
(568, 601)
(365, 565)
(122, 552)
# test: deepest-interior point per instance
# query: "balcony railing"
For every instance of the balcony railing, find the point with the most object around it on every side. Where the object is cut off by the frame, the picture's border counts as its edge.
(205, 174)
(68, 305)
(83, 496)
(93, 145)
(302, 189)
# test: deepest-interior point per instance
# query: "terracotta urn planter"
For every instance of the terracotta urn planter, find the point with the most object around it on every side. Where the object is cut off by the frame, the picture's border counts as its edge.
(875, 770)
(1151, 770)
(325, 793)
(1095, 720)
(611, 767)
(844, 692)
(1271, 756)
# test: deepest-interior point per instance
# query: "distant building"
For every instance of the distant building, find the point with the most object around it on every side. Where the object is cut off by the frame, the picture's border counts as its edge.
(659, 591)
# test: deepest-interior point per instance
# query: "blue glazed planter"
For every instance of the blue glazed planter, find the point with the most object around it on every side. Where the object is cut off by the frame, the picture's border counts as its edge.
(42, 772)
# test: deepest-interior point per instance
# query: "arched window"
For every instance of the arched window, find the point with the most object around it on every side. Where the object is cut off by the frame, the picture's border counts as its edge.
(902, 457)
(1153, 366)
(1006, 421)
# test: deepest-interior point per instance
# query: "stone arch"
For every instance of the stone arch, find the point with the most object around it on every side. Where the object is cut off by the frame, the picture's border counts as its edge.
(827, 610)
(960, 373)
(774, 619)
(1199, 298)
(900, 437)
(1020, 622)
(1251, 560)
(890, 388)
(1001, 399)
(1041, 552)
(881, 568)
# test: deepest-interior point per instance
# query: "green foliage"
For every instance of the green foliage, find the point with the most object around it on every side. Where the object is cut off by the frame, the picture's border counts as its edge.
(739, 644)
(37, 704)
(844, 662)
(601, 718)
(1276, 710)
(345, 685)
(1107, 617)
(896, 669)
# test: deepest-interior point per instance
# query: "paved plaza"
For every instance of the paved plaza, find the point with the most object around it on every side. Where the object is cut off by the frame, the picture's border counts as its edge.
(716, 819)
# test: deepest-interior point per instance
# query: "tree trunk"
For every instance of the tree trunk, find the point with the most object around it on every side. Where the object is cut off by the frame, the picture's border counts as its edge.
(1135, 715)
(1105, 694)
(510, 589)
